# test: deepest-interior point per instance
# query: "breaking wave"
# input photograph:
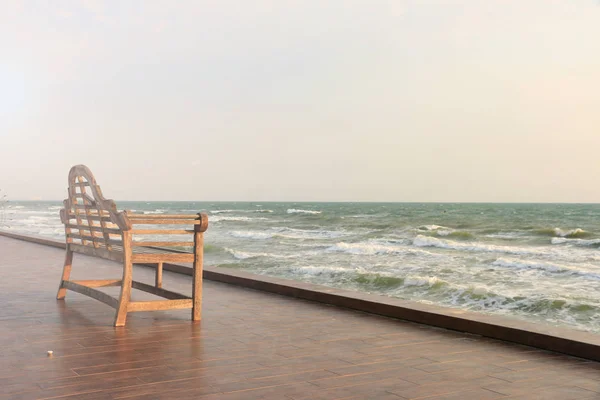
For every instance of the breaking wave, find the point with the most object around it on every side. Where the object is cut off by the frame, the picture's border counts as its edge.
(505, 235)
(427, 241)
(298, 211)
(432, 227)
(291, 233)
(288, 233)
(218, 218)
(543, 266)
(252, 235)
(576, 242)
(440, 230)
(388, 281)
(460, 235)
(240, 211)
(558, 232)
(374, 247)
(311, 270)
(244, 255)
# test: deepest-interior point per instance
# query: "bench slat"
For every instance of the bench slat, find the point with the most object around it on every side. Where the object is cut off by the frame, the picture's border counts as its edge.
(163, 216)
(98, 239)
(162, 244)
(85, 235)
(97, 251)
(112, 231)
(91, 217)
(91, 207)
(140, 258)
(161, 231)
(165, 221)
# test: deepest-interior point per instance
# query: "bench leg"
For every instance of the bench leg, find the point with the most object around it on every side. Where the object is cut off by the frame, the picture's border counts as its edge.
(125, 296)
(197, 285)
(62, 292)
(121, 315)
(158, 277)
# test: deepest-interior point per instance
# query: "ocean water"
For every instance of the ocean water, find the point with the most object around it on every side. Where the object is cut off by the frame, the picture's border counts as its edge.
(539, 262)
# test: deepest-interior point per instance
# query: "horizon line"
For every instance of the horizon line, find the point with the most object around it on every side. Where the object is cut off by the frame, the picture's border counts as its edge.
(328, 201)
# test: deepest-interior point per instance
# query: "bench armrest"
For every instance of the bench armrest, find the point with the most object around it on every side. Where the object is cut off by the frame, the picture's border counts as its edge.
(200, 220)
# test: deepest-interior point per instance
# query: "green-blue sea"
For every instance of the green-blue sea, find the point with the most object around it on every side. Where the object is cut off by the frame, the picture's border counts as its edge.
(539, 262)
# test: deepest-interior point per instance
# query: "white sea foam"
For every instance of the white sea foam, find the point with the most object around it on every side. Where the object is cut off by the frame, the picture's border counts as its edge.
(284, 232)
(252, 235)
(28, 212)
(587, 271)
(439, 230)
(291, 233)
(219, 218)
(240, 211)
(527, 264)
(18, 207)
(432, 228)
(243, 255)
(365, 248)
(40, 218)
(321, 270)
(387, 241)
(422, 281)
(154, 212)
(571, 232)
(576, 242)
(311, 245)
(426, 241)
(374, 248)
(298, 211)
(505, 235)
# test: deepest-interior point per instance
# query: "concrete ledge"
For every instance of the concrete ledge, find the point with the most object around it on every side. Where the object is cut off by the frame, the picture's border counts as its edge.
(575, 343)
(34, 239)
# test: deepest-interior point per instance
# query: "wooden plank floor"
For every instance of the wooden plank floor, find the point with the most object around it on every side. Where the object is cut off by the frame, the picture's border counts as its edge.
(250, 345)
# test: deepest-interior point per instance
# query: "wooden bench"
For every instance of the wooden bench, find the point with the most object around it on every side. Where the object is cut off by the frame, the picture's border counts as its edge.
(93, 226)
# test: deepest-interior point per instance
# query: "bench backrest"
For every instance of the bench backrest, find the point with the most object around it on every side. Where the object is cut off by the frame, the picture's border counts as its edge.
(89, 218)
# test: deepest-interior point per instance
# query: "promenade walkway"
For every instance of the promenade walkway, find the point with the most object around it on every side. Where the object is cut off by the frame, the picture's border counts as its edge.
(249, 345)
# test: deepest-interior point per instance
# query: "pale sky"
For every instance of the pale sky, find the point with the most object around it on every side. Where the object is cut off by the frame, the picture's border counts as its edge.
(303, 100)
